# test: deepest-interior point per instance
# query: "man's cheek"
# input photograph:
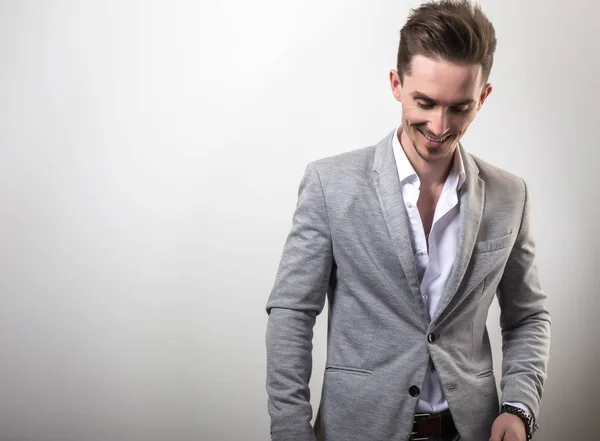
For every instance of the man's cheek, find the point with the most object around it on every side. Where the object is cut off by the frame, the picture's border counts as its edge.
(414, 122)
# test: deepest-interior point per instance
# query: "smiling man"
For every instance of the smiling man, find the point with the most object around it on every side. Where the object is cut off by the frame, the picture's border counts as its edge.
(409, 240)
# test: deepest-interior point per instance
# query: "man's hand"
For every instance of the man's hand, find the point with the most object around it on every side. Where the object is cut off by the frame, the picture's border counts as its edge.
(508, 427)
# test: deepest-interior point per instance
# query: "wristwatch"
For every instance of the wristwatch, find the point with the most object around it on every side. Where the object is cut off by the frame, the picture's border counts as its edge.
(528, 420)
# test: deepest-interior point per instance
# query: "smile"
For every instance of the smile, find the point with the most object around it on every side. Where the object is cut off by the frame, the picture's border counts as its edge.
(440, 140)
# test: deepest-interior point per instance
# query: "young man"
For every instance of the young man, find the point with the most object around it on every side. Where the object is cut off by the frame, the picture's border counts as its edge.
(410, 240)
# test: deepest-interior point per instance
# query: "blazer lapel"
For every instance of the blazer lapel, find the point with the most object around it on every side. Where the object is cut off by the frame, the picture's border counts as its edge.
(389, 192)
(471, 209)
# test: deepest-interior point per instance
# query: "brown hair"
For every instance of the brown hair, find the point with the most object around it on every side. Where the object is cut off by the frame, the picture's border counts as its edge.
(452, 30)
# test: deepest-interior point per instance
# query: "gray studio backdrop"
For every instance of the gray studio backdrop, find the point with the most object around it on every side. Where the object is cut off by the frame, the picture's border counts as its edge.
(150, 154)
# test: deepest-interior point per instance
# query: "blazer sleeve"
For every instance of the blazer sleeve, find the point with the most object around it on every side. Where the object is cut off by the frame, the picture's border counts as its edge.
(297, 297)
(524, 320)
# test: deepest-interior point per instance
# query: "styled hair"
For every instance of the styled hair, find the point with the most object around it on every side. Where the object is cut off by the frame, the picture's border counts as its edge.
(450, 30)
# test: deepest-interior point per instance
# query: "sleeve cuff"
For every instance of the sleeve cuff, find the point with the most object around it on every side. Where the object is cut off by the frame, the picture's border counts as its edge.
(520, 406)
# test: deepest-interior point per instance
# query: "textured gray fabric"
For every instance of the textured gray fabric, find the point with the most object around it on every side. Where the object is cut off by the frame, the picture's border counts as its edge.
(350, 244)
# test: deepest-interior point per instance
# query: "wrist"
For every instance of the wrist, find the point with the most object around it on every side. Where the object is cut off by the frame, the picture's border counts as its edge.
(528, 419)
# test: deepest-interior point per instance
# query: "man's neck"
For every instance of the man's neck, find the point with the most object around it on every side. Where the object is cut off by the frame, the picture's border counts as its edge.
(431, 174)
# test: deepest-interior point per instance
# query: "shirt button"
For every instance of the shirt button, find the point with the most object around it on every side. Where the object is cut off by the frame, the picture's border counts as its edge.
(425, 296)
(420, 253)
(409, 205)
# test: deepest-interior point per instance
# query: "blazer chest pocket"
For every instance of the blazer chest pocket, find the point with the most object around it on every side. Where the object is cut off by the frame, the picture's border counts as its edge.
(494, 245)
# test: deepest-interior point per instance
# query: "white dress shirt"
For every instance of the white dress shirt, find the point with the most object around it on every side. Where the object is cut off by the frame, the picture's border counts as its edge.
(433, 265)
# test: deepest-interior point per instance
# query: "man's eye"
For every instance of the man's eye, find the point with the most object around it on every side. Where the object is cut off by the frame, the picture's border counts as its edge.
(460, 109)
(424, 105)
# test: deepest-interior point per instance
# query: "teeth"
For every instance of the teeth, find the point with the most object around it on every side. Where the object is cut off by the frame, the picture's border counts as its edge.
(434, 139)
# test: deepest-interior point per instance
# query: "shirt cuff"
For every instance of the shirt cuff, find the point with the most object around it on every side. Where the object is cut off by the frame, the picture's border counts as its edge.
(520, 406)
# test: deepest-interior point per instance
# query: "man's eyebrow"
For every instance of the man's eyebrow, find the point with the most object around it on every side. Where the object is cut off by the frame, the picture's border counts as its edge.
(422, 96)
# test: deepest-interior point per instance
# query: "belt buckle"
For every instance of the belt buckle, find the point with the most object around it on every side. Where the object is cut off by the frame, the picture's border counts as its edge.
(421, 415)
(415, 419)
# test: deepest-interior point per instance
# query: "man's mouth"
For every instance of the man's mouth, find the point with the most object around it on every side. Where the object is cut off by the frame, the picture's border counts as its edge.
(433, 139)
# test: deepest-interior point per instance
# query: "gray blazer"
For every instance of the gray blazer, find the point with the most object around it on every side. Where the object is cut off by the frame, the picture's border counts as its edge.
(350, 243)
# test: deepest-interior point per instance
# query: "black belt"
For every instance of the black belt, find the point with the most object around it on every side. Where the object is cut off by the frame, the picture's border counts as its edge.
(430, 425)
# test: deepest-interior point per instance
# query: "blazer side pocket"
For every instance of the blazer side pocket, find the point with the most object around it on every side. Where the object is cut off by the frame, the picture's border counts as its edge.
(347, 370)
(487, 373)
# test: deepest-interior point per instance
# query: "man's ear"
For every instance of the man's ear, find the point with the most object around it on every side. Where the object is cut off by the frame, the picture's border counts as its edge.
(484, 94)
(396, 85)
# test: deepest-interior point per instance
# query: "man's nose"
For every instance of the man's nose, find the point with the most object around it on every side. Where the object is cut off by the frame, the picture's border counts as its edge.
(438, 124)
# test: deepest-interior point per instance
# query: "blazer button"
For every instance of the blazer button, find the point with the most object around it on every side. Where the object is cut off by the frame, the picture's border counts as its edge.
(431, 338)
(414, 391)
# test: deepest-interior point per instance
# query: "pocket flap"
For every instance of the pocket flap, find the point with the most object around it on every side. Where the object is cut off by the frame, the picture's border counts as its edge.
(494, 245)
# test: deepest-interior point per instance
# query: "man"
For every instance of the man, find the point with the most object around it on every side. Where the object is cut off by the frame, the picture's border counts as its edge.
(409, 240)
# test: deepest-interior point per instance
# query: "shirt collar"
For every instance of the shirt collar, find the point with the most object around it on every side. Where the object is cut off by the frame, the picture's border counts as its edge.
(407, 173)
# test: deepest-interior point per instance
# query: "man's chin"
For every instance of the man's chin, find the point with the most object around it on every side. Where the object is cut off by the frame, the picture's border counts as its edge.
(432, 153)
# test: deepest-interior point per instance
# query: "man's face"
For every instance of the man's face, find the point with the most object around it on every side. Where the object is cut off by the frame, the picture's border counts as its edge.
(439, 101)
